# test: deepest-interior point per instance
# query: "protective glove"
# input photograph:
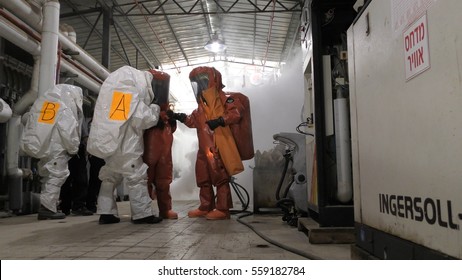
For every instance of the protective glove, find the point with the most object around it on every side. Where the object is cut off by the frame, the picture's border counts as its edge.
(160, 124)
(215, 123)
(177, 116)
(162, 116)
(172, 122)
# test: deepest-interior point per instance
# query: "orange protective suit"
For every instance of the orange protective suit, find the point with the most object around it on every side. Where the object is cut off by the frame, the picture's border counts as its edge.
(157, 155)
(211, 169)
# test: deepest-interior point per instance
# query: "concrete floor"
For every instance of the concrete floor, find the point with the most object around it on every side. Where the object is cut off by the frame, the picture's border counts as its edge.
(77, 237)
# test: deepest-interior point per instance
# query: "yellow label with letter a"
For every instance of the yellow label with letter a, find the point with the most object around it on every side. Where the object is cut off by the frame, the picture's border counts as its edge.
(49, 112)
(120, 106)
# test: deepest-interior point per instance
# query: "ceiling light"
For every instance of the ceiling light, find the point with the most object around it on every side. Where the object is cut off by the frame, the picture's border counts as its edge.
(215, 44)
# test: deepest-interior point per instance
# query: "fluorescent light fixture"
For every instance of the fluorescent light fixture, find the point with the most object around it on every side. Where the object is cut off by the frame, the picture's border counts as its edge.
(215, 44)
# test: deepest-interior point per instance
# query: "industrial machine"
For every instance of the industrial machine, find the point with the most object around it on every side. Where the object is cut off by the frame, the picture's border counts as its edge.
(406, 99)
(29, 38)
(291, 198)
(325, 62)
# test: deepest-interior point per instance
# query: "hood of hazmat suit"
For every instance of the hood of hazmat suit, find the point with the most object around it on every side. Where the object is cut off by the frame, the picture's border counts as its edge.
(54, 122)
(123, 101)
(161, 87)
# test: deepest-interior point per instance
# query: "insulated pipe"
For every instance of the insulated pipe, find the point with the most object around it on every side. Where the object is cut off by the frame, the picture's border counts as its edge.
(12, 152)
(72, 35)
(28, 99)
(5, 111)
(20, 38)
(81, 78)
(49, 58)
(83, 57)
(343, 146)
(26, 13)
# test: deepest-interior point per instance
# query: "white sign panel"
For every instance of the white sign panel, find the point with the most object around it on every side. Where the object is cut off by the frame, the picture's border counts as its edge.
(416, 51)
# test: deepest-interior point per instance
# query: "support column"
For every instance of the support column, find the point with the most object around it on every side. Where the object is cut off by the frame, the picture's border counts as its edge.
(106, 48)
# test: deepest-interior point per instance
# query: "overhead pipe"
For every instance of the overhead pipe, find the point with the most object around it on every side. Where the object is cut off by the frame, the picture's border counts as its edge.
(68, 31)
(81, 77)
(20, 35)
(5, 111)
(83, 57)
(28, 99)
(48, 53)
(33, 18)
(25, 12)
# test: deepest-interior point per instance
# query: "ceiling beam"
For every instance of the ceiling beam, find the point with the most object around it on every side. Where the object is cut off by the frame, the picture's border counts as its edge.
(157, 11)
(82, 16)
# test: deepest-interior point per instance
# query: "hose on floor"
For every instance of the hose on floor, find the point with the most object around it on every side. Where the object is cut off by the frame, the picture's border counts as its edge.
(269, 240)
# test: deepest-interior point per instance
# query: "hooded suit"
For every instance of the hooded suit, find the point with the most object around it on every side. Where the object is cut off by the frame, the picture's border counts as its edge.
(123, 111)
(52, 134)
(217, 157)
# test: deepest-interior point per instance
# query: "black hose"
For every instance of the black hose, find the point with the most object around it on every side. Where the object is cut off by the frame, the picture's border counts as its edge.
(286, 192)
(278, 244)
(246, 200)
(283, 176)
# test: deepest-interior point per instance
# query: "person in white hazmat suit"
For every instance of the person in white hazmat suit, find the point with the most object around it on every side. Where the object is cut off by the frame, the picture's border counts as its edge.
(52, 134)
(123, 111)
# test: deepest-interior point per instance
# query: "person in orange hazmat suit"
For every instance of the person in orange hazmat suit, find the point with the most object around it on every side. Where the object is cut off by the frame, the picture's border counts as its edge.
(217, 157)
(157, 154)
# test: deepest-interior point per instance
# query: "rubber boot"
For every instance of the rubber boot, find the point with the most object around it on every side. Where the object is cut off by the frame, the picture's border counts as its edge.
(105, 219)
(224, 203)
(218, 215)
(164, 202)
(207, 200)
(148, 220)
(45, 214)
(197, 213)
(169, 214)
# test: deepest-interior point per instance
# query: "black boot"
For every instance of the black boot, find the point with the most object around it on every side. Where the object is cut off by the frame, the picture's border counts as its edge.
(148, 220)
(44, 214)
(108, 219)
(82, 211)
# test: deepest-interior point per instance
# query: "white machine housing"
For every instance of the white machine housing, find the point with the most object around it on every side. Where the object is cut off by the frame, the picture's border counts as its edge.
(406, 129)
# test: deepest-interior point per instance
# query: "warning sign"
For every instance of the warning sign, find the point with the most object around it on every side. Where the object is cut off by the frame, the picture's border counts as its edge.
(416, 51)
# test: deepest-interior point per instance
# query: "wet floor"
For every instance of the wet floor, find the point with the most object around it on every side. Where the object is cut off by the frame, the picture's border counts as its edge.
(256, 237)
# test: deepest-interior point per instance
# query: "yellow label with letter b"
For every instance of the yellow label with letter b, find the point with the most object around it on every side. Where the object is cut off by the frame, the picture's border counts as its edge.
(120, 106)
(49, 112)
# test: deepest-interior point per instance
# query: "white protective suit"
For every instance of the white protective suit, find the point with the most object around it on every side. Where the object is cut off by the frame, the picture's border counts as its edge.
(52, 134)
(122, 113)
